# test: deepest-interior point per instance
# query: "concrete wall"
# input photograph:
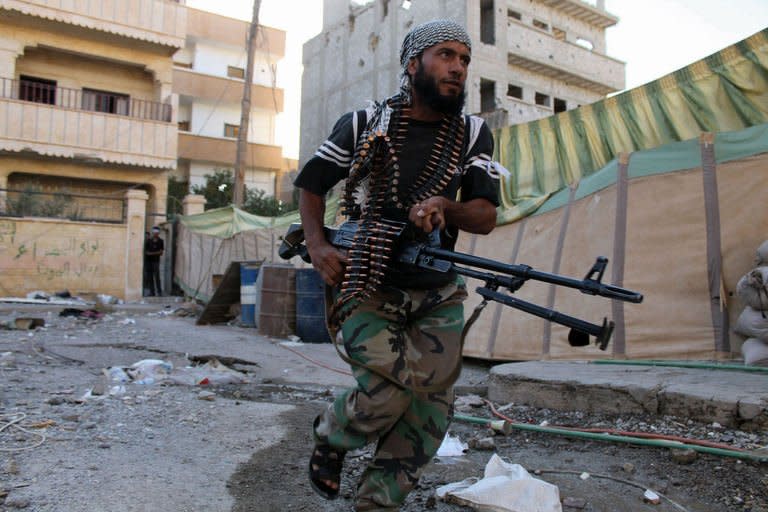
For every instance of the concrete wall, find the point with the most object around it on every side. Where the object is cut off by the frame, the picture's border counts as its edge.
(52, 255)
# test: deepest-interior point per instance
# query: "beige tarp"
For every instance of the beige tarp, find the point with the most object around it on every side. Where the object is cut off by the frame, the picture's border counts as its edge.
(681, 233)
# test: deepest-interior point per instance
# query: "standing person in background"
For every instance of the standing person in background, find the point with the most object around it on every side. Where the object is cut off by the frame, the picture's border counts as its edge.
(145, 273)
(413, 158)
(153, 249)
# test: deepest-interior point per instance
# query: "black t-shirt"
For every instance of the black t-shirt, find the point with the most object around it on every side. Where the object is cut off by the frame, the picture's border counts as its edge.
(474, 179)
(153, 245)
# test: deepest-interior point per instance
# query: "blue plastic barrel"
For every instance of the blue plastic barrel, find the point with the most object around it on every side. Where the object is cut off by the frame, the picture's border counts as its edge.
(310, 307)
(248, 274)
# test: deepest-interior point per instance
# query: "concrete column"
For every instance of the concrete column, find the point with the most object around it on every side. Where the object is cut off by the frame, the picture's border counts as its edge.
(10, 50)
(136, 207)
(3, 186)
(193, 204)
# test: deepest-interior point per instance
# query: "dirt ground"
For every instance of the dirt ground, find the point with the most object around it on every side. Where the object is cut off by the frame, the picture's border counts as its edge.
(71, 441)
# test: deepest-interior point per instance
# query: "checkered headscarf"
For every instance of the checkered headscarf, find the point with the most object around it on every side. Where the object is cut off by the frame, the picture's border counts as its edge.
(425, 36)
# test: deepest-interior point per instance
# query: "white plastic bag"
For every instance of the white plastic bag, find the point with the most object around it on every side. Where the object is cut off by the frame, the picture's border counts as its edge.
(504, 487)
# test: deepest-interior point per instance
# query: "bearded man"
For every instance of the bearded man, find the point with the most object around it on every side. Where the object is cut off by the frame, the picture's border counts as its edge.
(413, 159)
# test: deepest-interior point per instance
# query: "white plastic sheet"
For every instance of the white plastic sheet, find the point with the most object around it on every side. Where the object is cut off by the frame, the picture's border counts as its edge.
(505, 487)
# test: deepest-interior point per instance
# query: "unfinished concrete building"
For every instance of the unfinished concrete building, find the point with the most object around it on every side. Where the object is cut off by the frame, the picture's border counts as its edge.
(530, 58)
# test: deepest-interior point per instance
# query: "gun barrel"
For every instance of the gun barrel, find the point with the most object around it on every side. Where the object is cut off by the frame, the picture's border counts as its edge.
(524, 272)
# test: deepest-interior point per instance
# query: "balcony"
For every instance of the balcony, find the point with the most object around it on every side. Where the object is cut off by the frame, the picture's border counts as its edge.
(540, 52)
(225, 90)
(85, 125)
(583, 11)
(157, 21)
(234, 32)
(223, 151)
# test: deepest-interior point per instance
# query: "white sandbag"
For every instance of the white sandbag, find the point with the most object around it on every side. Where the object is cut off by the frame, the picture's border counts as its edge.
(752, 288)
(755, 352)
(762, 254)
(752, 324)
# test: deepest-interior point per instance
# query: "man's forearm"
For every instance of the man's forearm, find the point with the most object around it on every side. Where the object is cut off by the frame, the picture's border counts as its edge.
(312, 211)
(474, 216)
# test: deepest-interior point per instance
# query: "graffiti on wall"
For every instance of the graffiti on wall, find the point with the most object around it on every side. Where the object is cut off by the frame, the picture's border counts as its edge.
(50, 254)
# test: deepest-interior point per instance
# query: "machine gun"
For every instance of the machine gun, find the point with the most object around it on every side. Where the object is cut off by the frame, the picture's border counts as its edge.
(509, 278)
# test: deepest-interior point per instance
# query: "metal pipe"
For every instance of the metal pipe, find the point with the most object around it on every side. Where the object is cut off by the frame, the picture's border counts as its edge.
(683, 364)
(508, 426)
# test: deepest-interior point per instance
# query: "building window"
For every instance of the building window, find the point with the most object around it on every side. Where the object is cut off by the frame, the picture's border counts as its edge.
(560, 105)
(231, 130)
(105, 101)
(514, 15)
(487, 95)
(540, 25)
(36, 89)
(514, 91)
(184, 126)
(185, 65)
(487, 25)
(235, 72)
(558, 33)
(542, 99)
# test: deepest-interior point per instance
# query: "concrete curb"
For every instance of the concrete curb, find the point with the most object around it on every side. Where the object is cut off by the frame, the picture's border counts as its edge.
(731, 398)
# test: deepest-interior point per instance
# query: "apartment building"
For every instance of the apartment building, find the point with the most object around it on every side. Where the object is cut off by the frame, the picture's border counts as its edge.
(530, 58)
(87, 137)
(86, 98)
(208, 76)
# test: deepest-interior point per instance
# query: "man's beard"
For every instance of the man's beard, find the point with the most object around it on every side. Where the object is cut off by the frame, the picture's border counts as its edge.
(426, 87)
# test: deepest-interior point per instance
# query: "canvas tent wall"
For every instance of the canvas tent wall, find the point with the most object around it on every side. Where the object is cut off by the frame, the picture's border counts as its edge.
(668, 181)
(680, 223)
(208, 242)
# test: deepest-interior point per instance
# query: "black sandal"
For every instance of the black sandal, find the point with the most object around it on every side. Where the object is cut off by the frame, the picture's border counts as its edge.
(325, 465)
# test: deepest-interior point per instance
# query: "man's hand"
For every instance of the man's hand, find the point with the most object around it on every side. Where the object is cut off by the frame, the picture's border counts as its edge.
(474, 216)
(428, 214)
(329, 261)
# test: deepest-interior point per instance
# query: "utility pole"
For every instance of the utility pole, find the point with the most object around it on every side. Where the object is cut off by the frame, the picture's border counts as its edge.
(245, 111)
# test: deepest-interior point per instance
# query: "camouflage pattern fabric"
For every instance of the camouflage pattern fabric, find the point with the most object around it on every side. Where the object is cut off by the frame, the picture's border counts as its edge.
(413, 337)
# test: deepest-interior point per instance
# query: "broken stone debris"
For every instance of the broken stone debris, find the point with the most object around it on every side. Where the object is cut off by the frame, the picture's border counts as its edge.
(23, 324)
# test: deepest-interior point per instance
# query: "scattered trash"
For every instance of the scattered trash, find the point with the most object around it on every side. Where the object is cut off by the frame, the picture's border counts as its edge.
(41, 424)
(584, 476)
(157, 371)
(107, 299)
(23, 324)
(116, 374)
(81, 313)
(149, 371)
(127, 321)
(206, 395)
(505, 487)
(452, 447)
(651, 497)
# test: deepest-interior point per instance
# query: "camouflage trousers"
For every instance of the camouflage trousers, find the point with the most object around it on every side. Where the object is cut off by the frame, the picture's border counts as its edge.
(408, 343)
